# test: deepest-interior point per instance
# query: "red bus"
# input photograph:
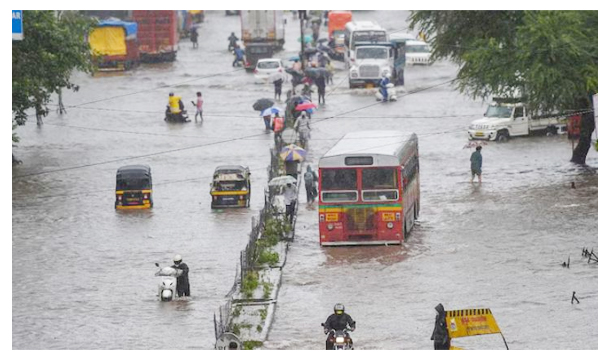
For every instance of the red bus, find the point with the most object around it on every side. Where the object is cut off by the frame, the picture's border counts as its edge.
(369, 189)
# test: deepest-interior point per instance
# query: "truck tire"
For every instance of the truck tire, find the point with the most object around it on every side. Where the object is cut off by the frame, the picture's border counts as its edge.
(502, 136)
(551, 130)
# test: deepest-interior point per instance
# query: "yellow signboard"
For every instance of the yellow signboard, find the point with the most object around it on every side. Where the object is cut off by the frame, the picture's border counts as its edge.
(471, 322)
(332, 217)
(389, 217)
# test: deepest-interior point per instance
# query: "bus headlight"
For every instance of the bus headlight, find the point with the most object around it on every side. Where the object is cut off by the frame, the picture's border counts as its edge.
(330, 227)
(390, 225)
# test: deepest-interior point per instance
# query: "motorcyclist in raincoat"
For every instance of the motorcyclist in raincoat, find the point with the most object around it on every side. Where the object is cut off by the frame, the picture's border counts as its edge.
(232, 41)
(383, 87)
(340, 320)
(183, 287)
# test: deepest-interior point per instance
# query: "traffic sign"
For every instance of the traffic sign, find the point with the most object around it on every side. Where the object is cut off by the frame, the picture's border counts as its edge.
(17, 24)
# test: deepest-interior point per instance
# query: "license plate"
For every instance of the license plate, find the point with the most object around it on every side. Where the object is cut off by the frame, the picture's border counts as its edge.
(132, 199)
(228, 199)
(478, 134)
(389, 217)
(369, 86)
(332, 217)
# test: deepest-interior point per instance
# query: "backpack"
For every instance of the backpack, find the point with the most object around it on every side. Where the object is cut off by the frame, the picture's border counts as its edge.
(308, 178)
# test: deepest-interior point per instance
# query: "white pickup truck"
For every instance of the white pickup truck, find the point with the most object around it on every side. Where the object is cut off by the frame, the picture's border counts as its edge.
(503, 120)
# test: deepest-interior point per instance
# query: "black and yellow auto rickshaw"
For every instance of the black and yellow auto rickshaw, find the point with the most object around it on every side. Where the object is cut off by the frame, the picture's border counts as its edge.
(231, 187)
(133, 187)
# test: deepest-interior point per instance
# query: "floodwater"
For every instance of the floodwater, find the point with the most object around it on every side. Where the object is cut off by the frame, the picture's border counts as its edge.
(83, 272)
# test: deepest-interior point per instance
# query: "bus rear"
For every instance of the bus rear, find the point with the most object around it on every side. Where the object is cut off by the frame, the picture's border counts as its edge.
(360, 206)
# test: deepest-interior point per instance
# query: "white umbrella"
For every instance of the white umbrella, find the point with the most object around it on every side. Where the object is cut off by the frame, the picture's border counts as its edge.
(282, 180)
(272, 110)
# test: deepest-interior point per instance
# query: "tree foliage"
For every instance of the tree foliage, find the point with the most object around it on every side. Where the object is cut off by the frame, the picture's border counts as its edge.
(547, 57)
(44, 60)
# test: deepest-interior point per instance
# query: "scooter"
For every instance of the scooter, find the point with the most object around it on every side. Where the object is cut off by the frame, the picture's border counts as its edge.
(340, 339)
(180, 117)
(167, 282)
(391, 93)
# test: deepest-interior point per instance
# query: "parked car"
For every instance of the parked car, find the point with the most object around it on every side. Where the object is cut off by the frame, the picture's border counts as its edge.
(267, 67)
(417, 52)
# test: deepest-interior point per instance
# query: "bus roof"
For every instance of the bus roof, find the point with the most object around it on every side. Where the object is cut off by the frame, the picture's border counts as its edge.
(385, 146)
(363, 25)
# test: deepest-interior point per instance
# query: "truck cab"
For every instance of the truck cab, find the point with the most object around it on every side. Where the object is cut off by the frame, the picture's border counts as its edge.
(371, 62)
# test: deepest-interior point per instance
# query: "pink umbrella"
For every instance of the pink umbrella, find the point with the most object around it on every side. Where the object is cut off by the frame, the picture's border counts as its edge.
(305, 106)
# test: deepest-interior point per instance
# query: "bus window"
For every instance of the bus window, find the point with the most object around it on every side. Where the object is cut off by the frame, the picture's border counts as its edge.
(339, 179)
(380, 178)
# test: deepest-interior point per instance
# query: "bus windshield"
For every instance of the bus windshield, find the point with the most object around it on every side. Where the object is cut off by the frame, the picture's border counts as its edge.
(499, 111)
(336, 180)
(369, 36)
(379, 184)
(371, 53)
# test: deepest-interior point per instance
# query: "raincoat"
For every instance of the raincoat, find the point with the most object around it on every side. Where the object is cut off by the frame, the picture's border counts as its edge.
(476, 161)
(440, 335)
(183, 287)
(339, 322)
(174, 104)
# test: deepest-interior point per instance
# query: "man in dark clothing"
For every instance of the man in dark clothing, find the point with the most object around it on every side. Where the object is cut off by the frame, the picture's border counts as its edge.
(232, 41)
(194, 37)
(476, 162)
(338, 321)
(321, 85)
(310, 178)
(183, 287)
(440, 335)
(278, 88)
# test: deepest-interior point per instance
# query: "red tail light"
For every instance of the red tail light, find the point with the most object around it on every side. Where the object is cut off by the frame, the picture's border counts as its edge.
(280, 70)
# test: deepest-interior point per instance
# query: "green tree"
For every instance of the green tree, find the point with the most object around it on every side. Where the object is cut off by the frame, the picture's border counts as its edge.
(549, 57)
(44, 60)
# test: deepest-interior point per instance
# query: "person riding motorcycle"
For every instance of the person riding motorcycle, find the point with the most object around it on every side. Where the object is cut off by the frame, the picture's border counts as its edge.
(175, 106)
(232, 41)
(183, 287)
(338, 321)
(383, 86)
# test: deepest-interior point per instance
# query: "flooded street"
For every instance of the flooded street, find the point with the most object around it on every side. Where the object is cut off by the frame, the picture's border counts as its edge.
(83, 272)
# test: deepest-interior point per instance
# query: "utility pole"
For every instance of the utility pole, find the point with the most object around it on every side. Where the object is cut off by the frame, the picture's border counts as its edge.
(302, 17)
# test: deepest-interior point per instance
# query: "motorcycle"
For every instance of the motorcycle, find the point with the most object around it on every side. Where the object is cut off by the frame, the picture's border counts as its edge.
(340, 339)
(180, 117)
(167, 282)
(391, 93)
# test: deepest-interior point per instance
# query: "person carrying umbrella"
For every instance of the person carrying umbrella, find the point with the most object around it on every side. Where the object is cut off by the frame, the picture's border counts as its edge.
(290, 199)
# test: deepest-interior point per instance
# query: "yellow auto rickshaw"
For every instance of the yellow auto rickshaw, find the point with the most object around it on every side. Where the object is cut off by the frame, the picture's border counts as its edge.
(133, 187)
(230, 187)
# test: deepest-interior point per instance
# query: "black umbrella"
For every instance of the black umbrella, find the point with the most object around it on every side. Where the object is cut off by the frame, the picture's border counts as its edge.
(315, 72)
(324, 48)
(322, 40)
(262, 104)
(310, 51)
